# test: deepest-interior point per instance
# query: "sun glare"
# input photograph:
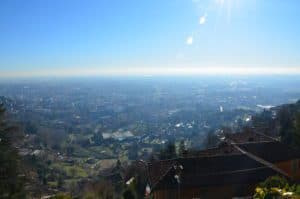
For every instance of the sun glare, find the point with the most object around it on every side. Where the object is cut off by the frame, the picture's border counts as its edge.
(220, 2)
(227, 6)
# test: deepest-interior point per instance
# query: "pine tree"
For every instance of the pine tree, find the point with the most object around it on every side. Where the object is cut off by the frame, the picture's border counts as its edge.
(297, 131)
(171, 150)
(11, 185)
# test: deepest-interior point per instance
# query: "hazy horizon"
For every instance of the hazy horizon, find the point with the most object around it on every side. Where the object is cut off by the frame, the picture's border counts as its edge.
(156, 72)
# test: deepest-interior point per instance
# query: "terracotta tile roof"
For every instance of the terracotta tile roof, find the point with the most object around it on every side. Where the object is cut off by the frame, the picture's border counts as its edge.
(206, 171)
(194, 180)
(224, 164)
(222, 149)
(248, 137)
(271, 151)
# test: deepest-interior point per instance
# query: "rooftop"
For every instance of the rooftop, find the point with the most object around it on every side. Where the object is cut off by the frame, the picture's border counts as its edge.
(207, 171)
(271, 151)
(249, 137)
(223, 165)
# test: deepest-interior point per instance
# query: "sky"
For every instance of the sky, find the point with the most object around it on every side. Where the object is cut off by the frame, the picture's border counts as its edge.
(148, 37)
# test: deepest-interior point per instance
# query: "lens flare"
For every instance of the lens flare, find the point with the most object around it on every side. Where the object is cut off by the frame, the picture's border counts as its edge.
(228, 6)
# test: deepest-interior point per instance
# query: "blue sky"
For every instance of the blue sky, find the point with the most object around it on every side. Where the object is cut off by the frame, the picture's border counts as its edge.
(72, 37)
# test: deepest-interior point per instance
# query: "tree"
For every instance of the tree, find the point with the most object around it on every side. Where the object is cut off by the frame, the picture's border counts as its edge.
(136, 175)
(73, 172)
(289, 119)
(285, 118)
(133, 152)
(297, 130)
(61, 196)
(11, 184)
(211, 140)
(274, 181)
(99, 190)
(97, 138)
(169, 152)
(60, 181)
(30, 128)
(129, 194)
(69, 149)
(182, 149)
(276, 187)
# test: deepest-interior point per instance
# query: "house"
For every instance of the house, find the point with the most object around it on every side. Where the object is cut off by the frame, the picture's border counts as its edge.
(232, 169)
(282, 156)
(270, 150)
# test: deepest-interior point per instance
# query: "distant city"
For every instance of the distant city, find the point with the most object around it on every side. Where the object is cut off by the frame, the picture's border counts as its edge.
(143, 111)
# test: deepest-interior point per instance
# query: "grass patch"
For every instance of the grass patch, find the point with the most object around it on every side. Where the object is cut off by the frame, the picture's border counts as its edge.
(52, 184)
(72, 171)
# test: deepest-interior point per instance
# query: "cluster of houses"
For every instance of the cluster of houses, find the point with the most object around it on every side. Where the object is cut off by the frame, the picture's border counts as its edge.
(233, 169)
